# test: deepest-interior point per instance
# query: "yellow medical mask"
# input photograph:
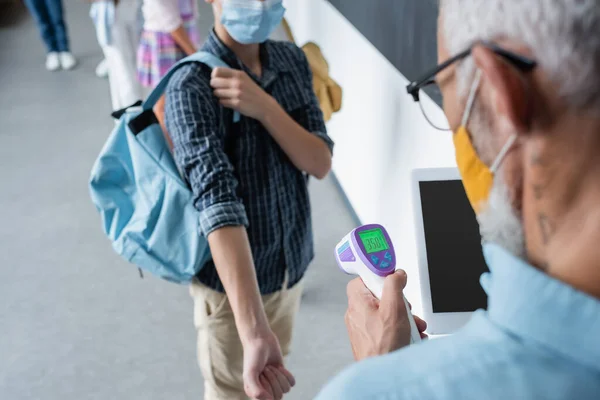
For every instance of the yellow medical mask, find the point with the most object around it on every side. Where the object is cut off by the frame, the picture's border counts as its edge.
(477, 178)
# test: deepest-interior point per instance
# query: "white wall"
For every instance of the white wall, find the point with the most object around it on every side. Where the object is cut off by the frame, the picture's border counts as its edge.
(380, 133)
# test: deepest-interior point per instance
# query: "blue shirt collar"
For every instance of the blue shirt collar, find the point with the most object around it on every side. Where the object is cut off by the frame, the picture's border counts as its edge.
(537, 307)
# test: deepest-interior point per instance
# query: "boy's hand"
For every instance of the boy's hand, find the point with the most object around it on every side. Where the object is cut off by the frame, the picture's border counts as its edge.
(265, 377)
(236, 90)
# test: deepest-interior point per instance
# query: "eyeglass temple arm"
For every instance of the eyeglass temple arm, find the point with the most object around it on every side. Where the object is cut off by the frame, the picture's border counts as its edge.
(429, 76)
(521, 62)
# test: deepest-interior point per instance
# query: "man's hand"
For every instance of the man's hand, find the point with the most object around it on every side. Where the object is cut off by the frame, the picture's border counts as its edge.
(236, 90)
(265, 377)
(379, 327)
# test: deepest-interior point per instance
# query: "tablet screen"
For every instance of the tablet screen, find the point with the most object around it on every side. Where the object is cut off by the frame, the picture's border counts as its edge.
(453, 245)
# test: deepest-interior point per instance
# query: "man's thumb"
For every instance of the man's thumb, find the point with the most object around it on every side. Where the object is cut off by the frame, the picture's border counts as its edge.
(393, 285)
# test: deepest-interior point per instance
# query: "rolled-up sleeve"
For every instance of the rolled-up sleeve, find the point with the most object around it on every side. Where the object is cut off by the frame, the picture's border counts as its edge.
(315, 123)
(192, 117)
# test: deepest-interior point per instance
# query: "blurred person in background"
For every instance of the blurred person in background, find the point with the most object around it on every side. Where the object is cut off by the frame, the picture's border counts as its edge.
(101, 70)
(48, 15)
(117, 26)
(170, 33)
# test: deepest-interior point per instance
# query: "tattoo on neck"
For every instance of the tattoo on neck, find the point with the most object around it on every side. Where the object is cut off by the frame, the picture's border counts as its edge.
(546, 227)
(537, 190)
(540, 187)
(538, 160)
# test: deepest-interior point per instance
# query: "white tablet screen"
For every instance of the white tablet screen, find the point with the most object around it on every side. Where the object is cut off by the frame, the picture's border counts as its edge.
(453, 246)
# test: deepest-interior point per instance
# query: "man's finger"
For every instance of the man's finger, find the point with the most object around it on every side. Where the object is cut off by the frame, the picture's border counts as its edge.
(421, 324)
(349, 327)
(222, 72)
(393, 286)
(357, 288)
(360, 299)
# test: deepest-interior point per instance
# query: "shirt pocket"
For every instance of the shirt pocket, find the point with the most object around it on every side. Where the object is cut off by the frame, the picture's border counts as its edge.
(295, 99)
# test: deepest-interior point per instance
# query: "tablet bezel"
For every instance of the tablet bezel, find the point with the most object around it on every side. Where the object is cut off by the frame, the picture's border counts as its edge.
(437, 323)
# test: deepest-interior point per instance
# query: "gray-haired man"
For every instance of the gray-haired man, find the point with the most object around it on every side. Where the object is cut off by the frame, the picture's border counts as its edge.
(528, 148)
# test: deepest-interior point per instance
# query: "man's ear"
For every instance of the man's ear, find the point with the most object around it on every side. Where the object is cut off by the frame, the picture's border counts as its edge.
(511, 97)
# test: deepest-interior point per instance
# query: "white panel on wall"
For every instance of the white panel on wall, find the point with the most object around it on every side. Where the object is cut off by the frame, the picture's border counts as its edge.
(380, 133)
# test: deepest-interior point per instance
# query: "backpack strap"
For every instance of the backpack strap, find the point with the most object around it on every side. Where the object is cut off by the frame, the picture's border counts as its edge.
(117, 114)
(200, 57)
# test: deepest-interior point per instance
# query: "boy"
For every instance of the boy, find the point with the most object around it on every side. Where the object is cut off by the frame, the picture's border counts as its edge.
(249, 183)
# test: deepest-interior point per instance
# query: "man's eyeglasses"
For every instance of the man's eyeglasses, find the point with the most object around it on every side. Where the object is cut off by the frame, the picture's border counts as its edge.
(433, 114)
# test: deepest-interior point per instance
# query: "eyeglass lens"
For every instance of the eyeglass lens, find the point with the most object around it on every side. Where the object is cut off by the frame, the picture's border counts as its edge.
(432, 112)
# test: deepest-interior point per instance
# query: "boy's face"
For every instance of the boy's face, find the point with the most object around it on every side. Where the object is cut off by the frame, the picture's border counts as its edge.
(218, 7)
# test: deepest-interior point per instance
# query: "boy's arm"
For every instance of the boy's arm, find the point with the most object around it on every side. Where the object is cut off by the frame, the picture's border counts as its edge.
(191, 116)
(232, 256)
(307, 151)
(308, 147)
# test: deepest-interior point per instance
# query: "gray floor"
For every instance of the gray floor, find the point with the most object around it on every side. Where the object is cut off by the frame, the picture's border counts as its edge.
(76, 322)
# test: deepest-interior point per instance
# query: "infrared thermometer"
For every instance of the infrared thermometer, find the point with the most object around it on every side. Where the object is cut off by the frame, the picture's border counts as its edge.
(368, 252)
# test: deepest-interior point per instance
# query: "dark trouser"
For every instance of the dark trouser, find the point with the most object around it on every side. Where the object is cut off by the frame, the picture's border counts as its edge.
(49, 17)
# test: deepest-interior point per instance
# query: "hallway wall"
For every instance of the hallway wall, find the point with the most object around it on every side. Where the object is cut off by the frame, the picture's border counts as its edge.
(380, 133)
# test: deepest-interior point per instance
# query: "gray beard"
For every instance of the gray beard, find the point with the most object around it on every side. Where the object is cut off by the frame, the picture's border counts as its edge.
(499, 223)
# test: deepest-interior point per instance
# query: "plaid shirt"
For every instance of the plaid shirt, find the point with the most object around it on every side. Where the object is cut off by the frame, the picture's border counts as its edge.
(238, 173)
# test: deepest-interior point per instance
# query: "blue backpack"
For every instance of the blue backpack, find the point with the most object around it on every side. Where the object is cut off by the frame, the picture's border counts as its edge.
(145, 204)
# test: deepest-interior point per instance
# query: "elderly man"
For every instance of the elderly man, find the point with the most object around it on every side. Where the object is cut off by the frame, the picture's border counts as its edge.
(521, 88)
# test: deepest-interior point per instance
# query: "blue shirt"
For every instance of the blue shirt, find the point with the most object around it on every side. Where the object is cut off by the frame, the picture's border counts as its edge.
(238, 173)
(539, 339)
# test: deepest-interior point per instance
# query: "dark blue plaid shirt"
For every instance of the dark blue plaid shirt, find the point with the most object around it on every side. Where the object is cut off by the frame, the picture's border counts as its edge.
(238, 173)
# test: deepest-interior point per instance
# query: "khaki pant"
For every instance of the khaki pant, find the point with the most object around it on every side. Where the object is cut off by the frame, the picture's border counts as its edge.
(220, 353)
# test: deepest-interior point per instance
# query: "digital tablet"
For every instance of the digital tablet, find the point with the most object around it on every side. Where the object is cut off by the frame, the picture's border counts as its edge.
(449, 250)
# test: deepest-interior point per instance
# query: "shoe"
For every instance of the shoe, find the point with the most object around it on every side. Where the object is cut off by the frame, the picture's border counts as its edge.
(67, 61)
(52, 61)
(102, 69)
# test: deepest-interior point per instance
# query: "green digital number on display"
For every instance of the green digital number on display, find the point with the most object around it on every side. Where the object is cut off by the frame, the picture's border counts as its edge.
(373, 240)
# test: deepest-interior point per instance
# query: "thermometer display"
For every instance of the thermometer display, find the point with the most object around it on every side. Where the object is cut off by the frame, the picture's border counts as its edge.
(373, 240)
(368, 251)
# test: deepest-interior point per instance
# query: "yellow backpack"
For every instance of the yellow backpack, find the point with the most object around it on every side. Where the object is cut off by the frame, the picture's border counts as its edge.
(328, 91)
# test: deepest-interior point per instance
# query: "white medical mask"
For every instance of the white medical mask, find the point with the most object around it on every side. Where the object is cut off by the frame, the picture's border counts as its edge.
(251, 21)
